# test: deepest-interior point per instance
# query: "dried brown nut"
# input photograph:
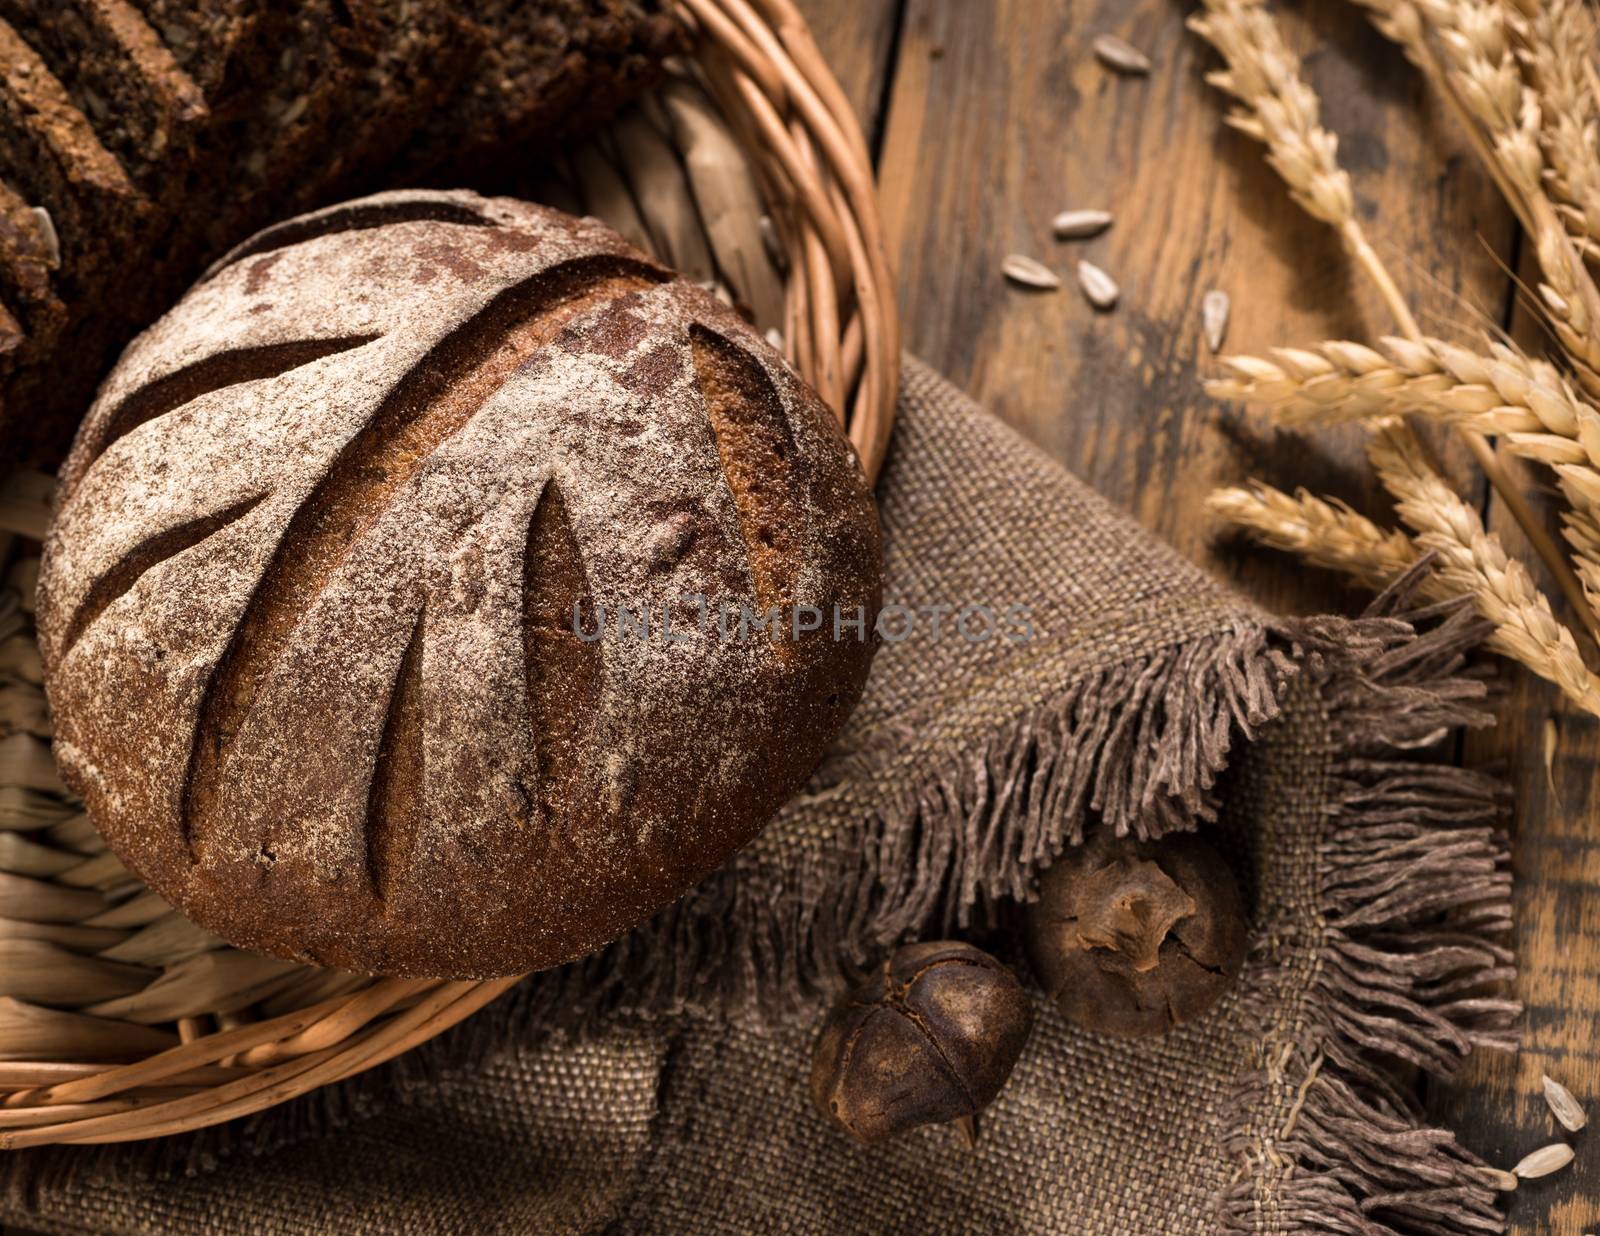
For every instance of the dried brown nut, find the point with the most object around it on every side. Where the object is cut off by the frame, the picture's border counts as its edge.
(930, 1039)
(1135, 937)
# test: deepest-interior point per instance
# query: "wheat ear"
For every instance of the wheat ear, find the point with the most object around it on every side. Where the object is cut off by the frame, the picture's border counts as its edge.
(1559, 46)
(1478, 41)
(1401, 21)
(1331, 535)
(1534, 411)
(1472, 561)
(1502, 393)
(1278, 109)
(1326, 534)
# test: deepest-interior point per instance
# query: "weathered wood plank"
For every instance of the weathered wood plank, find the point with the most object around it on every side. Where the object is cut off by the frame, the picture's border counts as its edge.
(991, 133)
(1496, 1104)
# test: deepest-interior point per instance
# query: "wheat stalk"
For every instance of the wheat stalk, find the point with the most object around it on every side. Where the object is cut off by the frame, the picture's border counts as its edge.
(1278, 108)
(1402, 22)
(1581, 527)
(1325, 533)
(1472, 561)
(1557, 199)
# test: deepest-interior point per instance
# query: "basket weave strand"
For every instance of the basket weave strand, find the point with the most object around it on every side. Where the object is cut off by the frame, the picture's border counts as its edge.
(119, 1019)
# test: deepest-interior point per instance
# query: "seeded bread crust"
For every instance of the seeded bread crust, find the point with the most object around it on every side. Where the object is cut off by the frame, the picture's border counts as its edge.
(307, 603)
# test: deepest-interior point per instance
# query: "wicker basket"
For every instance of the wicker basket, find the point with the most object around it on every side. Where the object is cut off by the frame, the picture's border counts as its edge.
(120, 1019)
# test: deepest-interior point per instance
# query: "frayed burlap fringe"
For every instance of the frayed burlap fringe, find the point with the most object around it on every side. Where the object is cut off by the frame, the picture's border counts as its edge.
(1135, 747)
(1406, 964)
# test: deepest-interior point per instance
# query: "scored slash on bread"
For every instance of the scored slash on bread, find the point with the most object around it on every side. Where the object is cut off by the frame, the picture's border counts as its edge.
(311, 607)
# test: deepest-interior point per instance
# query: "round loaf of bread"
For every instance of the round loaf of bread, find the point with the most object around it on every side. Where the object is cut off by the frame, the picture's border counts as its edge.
(442, 587)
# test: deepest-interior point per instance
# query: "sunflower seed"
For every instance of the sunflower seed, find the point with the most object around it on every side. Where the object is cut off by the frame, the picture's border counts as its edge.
(294, 111)
(1076, 224)
(1099, 287)
(1498, 1179)
(47, 233)
(1029, 273)
(1543, 1161)
(1214, 307)
(1564, 1107)
(1121, 56)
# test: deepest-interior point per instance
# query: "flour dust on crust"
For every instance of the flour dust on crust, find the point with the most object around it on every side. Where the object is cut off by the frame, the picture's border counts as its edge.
(307, 603)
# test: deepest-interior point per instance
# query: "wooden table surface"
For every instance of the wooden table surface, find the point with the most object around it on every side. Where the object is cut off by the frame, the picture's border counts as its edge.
(988, 117)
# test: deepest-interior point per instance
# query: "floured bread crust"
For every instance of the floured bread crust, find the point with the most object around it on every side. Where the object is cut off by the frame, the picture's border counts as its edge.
(307, 606)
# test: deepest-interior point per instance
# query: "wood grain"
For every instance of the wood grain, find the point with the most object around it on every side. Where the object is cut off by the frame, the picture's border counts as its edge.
(989, 135)
(999, 117)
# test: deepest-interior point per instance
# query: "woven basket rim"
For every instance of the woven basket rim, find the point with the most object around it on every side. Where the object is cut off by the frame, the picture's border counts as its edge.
(756, 60)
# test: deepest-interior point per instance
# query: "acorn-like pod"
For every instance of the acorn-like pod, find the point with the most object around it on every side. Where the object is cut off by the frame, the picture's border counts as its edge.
(1134, 937)
(930, 1039)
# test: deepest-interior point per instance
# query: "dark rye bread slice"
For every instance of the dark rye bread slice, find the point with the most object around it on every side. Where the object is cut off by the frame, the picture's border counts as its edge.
(548, 72)
(156, 133)
(311, 605)
(349, 89)
(277, 140)
(411, 56)
(210, 39)
(116, 71)
(50, 152)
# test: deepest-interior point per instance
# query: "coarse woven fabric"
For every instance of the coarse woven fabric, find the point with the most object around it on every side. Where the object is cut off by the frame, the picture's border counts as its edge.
(660, 1086)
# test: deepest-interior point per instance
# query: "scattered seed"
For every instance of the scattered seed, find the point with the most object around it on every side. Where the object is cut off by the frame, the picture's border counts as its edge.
(93, 104)
(1563, 1106)
(1543, 1161)
(1024, 270)
(47, 230)
(1214, 306)
(1120, 55)
(1499, 1179)
(1077, 224)
(1099, 287)
(294, 111)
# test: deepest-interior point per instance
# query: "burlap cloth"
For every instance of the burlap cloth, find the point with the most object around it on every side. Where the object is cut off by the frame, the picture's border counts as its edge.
(660, 1087)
